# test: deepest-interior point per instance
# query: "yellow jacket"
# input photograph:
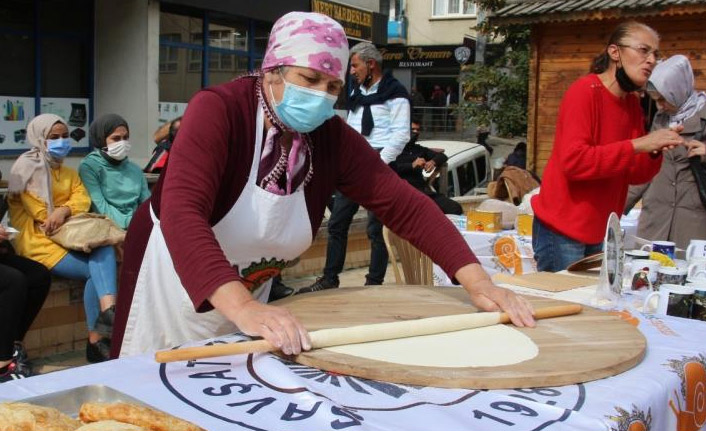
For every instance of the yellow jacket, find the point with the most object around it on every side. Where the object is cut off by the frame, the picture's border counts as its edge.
(28, 212)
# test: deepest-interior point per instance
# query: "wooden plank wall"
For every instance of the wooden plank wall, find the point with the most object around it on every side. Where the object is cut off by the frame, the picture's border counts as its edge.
(562, 52)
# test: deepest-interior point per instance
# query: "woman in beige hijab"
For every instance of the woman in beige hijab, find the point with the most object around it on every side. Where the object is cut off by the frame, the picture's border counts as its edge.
(43, 195)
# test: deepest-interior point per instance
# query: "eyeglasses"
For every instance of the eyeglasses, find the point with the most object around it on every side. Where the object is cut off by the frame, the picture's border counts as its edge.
(415, 130)
(644, 51)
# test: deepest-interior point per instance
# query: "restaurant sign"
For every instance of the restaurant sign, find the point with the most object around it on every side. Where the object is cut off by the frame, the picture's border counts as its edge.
(424, 57)
(358, 23)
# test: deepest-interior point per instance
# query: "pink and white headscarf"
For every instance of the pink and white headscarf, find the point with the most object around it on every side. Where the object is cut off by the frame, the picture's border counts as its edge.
(308, 39)
(302, 39)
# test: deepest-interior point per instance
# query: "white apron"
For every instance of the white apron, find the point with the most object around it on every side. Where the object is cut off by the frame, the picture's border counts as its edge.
(260, 234)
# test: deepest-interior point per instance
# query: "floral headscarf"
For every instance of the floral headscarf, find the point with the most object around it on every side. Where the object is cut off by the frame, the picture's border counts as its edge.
(308, 39)
(302, 39)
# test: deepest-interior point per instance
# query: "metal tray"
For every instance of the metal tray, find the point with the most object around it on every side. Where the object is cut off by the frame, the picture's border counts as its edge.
(69, 401)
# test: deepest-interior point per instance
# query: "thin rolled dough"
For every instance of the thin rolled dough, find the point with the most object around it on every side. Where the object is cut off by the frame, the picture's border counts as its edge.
(491, 346)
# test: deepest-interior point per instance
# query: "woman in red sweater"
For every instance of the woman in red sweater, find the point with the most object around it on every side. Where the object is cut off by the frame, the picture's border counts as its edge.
(244, 191)
(599, 150)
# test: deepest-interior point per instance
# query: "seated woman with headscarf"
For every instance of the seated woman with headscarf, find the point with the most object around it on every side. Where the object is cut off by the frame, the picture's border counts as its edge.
(254, 165)
(43, 195)
(116, 185)
(671, 208)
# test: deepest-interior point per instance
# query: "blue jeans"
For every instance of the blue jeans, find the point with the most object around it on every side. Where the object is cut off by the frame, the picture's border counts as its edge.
(338, 224)
(98, 269)
(554, 251)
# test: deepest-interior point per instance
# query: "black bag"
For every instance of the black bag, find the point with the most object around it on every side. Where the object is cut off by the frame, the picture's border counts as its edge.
(699, 171)
(159, 158)
(698, 168)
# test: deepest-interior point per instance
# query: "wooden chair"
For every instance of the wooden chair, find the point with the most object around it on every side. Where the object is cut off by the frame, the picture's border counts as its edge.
(416, 266)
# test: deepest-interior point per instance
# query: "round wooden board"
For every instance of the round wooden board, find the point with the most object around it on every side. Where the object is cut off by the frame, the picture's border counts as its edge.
(572, 349)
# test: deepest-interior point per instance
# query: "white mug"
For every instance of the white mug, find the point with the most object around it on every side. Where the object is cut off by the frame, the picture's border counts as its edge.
(698, 308)
(670, 275)
(698, 277)
(681, 263)
(697, 248)
(672, 300)
(696, 270)
(636, 280)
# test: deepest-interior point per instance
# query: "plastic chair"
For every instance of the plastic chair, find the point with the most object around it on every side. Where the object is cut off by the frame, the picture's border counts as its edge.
(416, 266)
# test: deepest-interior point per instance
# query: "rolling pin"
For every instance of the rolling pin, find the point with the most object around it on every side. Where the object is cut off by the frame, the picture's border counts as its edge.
(365, 333)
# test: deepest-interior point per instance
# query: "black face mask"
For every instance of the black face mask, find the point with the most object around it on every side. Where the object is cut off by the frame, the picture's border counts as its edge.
(624, 80)
(413, 139)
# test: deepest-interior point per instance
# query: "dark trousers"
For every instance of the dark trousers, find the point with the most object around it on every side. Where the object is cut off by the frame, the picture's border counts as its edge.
(446, 204)
(555, 252)
(338, 224)
(24, 285)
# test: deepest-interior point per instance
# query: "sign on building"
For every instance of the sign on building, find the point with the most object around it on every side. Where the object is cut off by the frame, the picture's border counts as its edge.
(423, 57)
(358, 23)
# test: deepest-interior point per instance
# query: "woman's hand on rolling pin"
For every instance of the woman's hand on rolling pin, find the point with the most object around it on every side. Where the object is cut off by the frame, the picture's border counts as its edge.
(489, 297)
(662, 139)
(275, 324)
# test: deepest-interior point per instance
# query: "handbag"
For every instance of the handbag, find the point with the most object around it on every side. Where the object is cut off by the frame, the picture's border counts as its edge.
(84, 232)
(699, 171)
(697, 168)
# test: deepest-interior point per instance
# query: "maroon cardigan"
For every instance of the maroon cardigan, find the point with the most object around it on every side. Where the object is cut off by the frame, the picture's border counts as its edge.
(208, 167)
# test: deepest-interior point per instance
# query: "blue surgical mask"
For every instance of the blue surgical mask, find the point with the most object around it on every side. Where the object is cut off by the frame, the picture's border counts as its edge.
(59, 148)
(303, 109)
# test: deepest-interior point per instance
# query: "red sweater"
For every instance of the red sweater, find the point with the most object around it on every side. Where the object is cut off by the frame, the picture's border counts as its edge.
(592, 162)
(208, 167)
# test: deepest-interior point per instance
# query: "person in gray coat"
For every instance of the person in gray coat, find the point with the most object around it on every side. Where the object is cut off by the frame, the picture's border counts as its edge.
(671, 207)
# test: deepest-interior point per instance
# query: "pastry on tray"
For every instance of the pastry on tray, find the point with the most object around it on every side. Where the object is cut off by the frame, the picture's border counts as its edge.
(144, 417)
(110, 425)
(28, 417)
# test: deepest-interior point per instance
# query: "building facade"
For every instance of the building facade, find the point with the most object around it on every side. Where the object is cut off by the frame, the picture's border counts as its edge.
(429, 42)
(142, 59)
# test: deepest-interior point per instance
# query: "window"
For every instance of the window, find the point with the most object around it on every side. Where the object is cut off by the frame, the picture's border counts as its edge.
(17, 50)
(45, 50)
(168, 55)
(262, 35)
(219, 61)
(482, 168)
(195, 56)
(466, 178)
(443, 8)
(229, 67)
(192, 57)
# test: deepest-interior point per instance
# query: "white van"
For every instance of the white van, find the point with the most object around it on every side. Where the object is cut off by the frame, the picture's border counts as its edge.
(468, 166)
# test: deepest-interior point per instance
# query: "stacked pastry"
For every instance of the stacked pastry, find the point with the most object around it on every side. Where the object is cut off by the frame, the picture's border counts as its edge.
(93, 417)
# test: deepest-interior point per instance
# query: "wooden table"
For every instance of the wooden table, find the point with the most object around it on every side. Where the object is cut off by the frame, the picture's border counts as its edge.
(572, 349)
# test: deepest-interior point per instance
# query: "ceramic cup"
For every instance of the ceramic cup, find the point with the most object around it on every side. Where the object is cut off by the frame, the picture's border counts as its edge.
(643, 274)
(664, 247)
(672, 300)
(630, 257)
(696, 248)
(696, 269)
(670, 275)
(698, 308)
